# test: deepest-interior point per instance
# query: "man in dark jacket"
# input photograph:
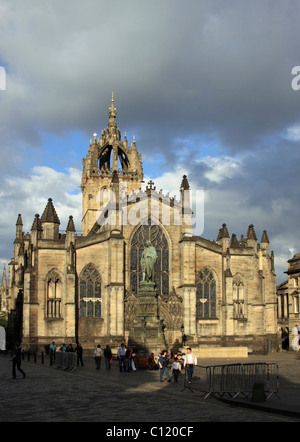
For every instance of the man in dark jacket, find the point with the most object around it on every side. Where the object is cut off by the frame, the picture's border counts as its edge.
(108, 357)
(163, 362)
(79, 351)
(16, 361)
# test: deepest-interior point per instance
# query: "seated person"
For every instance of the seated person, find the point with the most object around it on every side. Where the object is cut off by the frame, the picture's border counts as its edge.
(151, 362)
(180, 358)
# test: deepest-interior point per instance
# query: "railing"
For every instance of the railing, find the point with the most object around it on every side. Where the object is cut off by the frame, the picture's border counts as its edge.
(234, 380)
(65, 361)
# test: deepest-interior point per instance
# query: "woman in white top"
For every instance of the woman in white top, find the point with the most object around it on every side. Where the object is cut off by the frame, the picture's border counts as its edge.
(97, 356)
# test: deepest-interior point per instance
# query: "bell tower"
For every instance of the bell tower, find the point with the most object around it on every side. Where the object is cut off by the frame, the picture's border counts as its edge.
(107, 157)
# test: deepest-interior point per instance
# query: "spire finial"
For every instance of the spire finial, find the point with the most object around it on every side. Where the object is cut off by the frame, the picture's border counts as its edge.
(112, 125)
(4, 280)
(112, 106)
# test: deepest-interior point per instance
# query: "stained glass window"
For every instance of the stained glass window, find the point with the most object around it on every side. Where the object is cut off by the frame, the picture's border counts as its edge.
(206, 297)
(155, 234)
(90, 293)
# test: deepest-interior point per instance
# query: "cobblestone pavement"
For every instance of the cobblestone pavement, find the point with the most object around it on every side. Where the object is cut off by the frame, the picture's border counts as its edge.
(88, 395)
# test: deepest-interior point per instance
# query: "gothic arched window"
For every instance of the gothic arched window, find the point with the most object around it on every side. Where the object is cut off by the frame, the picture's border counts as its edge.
(238, 294)
(206, 296)
(54, 295)
(155, 234)
(90, 293)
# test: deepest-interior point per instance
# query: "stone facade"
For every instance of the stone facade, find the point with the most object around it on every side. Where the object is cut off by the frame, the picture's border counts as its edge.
(87, 287)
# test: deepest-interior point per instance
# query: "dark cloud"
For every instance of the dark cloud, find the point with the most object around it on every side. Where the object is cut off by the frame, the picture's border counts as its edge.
(214, 72)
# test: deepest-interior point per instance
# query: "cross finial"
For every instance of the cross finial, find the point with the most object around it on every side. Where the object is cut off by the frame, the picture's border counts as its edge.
(151, 186)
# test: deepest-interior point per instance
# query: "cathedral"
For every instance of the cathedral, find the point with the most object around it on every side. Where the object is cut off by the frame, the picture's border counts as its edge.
(101, 286)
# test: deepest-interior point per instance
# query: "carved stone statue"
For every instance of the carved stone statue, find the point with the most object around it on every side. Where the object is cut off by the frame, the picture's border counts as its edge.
(148, 260)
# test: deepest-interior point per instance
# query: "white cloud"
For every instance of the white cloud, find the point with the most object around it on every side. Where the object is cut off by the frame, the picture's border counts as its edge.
(293, 133)
(221, 168)
(168, 181)
(28, 195)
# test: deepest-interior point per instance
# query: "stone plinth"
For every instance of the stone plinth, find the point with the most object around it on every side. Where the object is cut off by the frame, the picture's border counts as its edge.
(146, 334)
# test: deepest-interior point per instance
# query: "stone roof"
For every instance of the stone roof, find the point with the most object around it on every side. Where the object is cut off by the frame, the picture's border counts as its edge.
(50, 215)
(71, 225)
(251, 232)
(184, 183)
(264, 237)
(223, 232)
(19, 220)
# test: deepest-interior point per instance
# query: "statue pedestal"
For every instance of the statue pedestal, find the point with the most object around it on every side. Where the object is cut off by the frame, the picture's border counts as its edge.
(146, 334)
(147, 286)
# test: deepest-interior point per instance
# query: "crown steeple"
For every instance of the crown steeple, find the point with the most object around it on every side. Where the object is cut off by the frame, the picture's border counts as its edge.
(108, 159)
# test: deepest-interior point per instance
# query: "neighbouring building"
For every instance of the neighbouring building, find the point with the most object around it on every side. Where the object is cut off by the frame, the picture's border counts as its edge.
(288, 295)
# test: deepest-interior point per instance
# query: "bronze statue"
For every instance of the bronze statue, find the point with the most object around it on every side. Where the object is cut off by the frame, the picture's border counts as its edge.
(148, 260)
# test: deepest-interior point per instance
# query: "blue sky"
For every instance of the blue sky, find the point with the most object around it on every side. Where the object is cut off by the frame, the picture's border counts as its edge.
(205, 90)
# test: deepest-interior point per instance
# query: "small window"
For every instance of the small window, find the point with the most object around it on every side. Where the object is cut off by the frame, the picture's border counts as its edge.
(238, 300)
(296, 303)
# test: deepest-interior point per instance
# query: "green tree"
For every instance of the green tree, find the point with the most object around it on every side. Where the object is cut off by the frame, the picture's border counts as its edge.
(3, 319)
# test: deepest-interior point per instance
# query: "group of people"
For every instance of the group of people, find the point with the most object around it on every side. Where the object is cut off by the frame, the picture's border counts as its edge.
(66, 349)
(126, 358)
(174, 365)
(107, 356)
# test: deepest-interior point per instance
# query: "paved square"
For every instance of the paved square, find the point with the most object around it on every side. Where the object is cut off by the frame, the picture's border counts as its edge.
(87, 395)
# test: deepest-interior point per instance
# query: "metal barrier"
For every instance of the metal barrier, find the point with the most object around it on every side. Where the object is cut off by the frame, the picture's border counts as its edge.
(234, 380)
(65, 361)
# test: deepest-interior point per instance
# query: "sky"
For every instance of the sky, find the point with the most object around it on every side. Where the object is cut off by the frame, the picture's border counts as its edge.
(205, 86)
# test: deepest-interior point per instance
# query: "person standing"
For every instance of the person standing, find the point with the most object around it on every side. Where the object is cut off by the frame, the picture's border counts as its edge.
(79, 351)
(176, 368)
(16, 361)
(163, 366)
(107, 356)
(53, 348)
(189, 362)
(121, 356)
(70, 349)
(128, 356)
(98, 354)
